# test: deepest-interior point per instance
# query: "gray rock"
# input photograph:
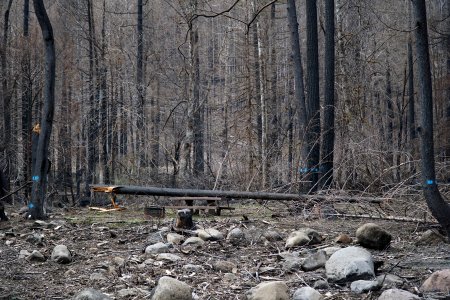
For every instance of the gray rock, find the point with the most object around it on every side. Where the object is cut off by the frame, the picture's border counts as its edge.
(306, 236)
(372, 236)
(61, 254)
(272, 290)
(128, 293)
(175, 238)
(91, 294)
(229, 276)
(431, 237)
(36, 256)
(157, 248)
(315, 261)
(155, 237)
(273, 235)
(194, 241)
(235, 235)
(306, 293)
(390, 281)
(193, 268)
(331, 250)
(349, 264)
(291, 264)
(168, 257)
(397, 295)
(321, 285)
(97, 276)
(364, 286)
(119, 261)
(439, 281)
(36, 239)
(169, 288)
(209, 234)
(224, 266)
(24, 254)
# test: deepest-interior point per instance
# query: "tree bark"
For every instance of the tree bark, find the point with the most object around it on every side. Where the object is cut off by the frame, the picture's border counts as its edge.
(438, 206)
(313, 100)
(328, 106)
(41, 167)
(140, 151)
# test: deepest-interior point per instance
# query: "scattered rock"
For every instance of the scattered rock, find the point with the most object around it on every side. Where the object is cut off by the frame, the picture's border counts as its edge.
(128, 293)
(155, 237)
(273, 235)
(61, 254)
(439, 281)
(175, 238)
(97, 276)
(36, 256)
(235, 235)
(119, 261)
(331, 250)
(306, 293)
(194, 241)
(224, 266)
(193, 268)
(321, 285)
(229, 276)
(91, 294)
(168, 257)
(272, 290)
(209, 234)
(292, 263)
(169, 288)
(24, 254)
(157, 248)
(372, 236)
(397, 295)
(315, 261)
(343, 239)
(364, 286)
(390, 281)
(306, 236)
(349, 264)
(431, 237)
(36, 239)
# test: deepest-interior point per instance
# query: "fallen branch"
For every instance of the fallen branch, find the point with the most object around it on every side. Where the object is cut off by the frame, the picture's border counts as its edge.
(393, 218)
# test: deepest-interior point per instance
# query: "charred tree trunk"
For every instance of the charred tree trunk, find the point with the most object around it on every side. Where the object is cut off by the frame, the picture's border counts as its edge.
(42, 165)
(140, 87)
(438, 206)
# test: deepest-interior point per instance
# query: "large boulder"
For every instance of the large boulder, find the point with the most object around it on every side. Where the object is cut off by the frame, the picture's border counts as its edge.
(397, 295)
(439, 281)
(169, 288)
(349, 264)
(271, 290)
(372, 236)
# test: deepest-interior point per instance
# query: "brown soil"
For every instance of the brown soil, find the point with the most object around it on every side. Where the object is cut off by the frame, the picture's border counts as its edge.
(95, 239)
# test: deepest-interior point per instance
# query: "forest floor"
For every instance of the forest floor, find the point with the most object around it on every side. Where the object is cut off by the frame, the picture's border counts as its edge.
(112, 244)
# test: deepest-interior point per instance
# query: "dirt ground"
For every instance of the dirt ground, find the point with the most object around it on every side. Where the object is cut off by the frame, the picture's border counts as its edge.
(96, 239)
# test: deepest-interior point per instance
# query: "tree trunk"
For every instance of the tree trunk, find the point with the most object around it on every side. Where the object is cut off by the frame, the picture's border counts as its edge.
(298, 82)
(103, 103)
(140, 151)
(42, 165)
(313, 100)
(438, 206)
(328, 106)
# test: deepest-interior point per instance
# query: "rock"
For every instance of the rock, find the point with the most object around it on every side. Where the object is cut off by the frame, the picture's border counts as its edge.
(321, 285)
(306, 236)
(41, 223)
(36, 256)
(273, 235)
(91, 294)
(349, 264)
(315, 261)
(235, 235)
(24, 254)
(372, 236)
(97, 276)
(175, 238)
(390, 281)
(364, 286)
(128, 293)
(229, 276)
(224, 266)
(168, 257)
(157, 248)
(155, 237)
(293, 263)
(272, 290)
(61, 254)
(194, 241)
(431, 237)
(439, 281)
(306, 293)
(397, 295)
(35, 238)
(209, 234)
(343, 239)
(169, 288)
(331, 250)
(119, 261)
(193, 268)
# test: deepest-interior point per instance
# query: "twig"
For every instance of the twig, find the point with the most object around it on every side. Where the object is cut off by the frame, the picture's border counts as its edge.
(18, 189)
(403, 219)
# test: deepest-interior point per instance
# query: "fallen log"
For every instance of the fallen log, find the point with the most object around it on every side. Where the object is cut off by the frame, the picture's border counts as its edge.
(173, 192)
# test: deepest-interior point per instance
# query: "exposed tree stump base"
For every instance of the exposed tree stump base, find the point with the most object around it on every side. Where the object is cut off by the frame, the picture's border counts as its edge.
(184, 219)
